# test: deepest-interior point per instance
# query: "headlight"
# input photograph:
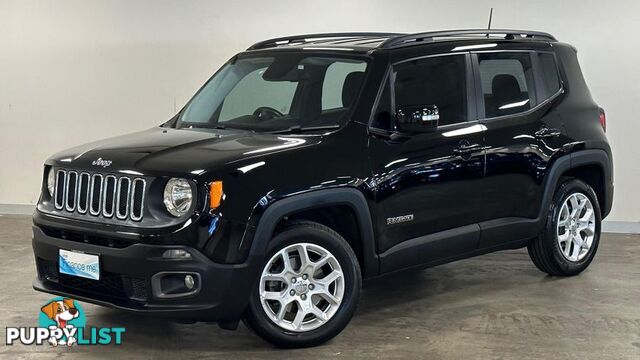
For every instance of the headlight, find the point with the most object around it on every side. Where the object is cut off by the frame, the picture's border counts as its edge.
(178, 196)
(51, 181)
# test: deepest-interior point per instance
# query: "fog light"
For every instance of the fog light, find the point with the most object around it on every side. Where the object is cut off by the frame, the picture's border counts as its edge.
(166, 285)
(189, 282)
(176, 254)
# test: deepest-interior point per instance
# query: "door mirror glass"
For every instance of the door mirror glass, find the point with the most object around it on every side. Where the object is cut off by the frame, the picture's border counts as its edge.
(417, 119)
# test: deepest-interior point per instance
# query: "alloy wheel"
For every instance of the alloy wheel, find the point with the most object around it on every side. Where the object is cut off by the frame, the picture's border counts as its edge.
(576, 227)
(301, 287)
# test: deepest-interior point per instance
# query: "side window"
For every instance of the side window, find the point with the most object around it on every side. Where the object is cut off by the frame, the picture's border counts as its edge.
(338, 75)
(550, 76)
(435, 81)
(507, 83)
(382, 118)
(253, 92)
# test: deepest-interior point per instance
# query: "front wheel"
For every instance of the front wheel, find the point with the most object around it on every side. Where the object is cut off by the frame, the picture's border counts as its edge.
(308, 289)
(572, 232)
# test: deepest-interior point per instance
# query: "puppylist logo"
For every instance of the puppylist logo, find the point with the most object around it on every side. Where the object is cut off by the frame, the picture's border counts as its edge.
(62, 323)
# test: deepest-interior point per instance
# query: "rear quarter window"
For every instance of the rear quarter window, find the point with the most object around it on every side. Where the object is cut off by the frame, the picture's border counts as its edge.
(550, 77)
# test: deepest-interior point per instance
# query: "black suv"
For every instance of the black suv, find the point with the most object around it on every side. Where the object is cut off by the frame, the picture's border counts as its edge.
(308, 163)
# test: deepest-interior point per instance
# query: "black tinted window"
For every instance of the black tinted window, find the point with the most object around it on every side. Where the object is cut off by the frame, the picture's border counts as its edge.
(382, 118)
(436, 81)
(507, 83)
(550, 77)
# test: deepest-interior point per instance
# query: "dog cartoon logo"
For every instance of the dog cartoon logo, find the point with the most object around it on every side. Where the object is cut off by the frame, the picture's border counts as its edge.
(62, 313)
(62, 321)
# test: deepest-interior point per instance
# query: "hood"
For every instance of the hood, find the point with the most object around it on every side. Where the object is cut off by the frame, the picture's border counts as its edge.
(171, 151)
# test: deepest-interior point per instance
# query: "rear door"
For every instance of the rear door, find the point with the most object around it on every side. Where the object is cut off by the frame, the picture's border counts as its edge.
(516, 91)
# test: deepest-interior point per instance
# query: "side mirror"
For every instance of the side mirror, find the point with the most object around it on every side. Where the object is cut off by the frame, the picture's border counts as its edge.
(417, 119)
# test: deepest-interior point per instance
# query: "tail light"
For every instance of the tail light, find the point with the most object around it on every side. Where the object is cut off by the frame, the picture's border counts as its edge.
(603, 120)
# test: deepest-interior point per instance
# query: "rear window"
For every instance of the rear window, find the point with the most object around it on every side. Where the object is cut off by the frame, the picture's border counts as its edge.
(507, 83)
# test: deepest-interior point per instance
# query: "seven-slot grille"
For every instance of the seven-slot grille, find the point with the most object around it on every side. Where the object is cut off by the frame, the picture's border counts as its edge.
(101, 195)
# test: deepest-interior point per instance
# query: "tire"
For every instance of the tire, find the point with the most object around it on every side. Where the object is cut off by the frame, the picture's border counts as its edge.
(318, 327)
(549, 251)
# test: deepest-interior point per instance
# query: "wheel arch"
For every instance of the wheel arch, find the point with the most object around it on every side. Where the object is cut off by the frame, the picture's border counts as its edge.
(323, 206)
(591, 166)
(593, 175)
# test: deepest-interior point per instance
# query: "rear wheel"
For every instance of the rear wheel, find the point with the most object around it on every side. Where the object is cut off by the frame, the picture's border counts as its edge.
(308, 289)
(572, 231)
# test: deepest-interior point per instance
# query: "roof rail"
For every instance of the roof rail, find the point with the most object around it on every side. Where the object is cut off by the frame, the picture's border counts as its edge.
(428, 36)
(302, 38)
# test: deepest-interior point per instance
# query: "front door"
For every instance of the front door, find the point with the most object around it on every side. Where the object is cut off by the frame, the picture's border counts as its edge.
(427, 184)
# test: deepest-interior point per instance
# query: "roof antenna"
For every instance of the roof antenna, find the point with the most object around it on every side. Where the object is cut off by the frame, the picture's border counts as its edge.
(490, 17)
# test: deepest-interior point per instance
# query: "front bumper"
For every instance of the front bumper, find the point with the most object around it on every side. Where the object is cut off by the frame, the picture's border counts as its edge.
(126, 274)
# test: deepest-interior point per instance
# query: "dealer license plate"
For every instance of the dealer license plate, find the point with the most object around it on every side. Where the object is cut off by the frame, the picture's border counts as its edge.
(79, 264)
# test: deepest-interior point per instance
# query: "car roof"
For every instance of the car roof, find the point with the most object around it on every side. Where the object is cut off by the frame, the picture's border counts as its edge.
(367, 41)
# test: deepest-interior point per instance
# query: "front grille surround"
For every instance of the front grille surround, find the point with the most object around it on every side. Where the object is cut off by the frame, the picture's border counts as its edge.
(96, 198)
(70, 191)
(137, 199)
(124, 190)
(100, 195)
(83, 192)
(108, 196)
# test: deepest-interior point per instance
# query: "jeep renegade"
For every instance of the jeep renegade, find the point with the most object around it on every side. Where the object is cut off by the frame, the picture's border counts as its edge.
(309, 163)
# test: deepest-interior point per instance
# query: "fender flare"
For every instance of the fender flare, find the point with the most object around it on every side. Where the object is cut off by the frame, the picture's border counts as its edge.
(351, 197)
(571, 161)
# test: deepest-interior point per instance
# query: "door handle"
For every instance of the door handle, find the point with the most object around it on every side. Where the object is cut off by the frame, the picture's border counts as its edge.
(547, 133)
(467, 148)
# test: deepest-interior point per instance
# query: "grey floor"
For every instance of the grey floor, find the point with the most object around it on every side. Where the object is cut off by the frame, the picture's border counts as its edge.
(497, 306)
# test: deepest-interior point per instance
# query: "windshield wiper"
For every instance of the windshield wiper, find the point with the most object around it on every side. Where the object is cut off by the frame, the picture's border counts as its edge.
(296, 129)
(219, 126)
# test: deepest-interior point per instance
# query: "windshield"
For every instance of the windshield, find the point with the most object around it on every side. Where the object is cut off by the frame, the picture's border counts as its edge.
(277, 92)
